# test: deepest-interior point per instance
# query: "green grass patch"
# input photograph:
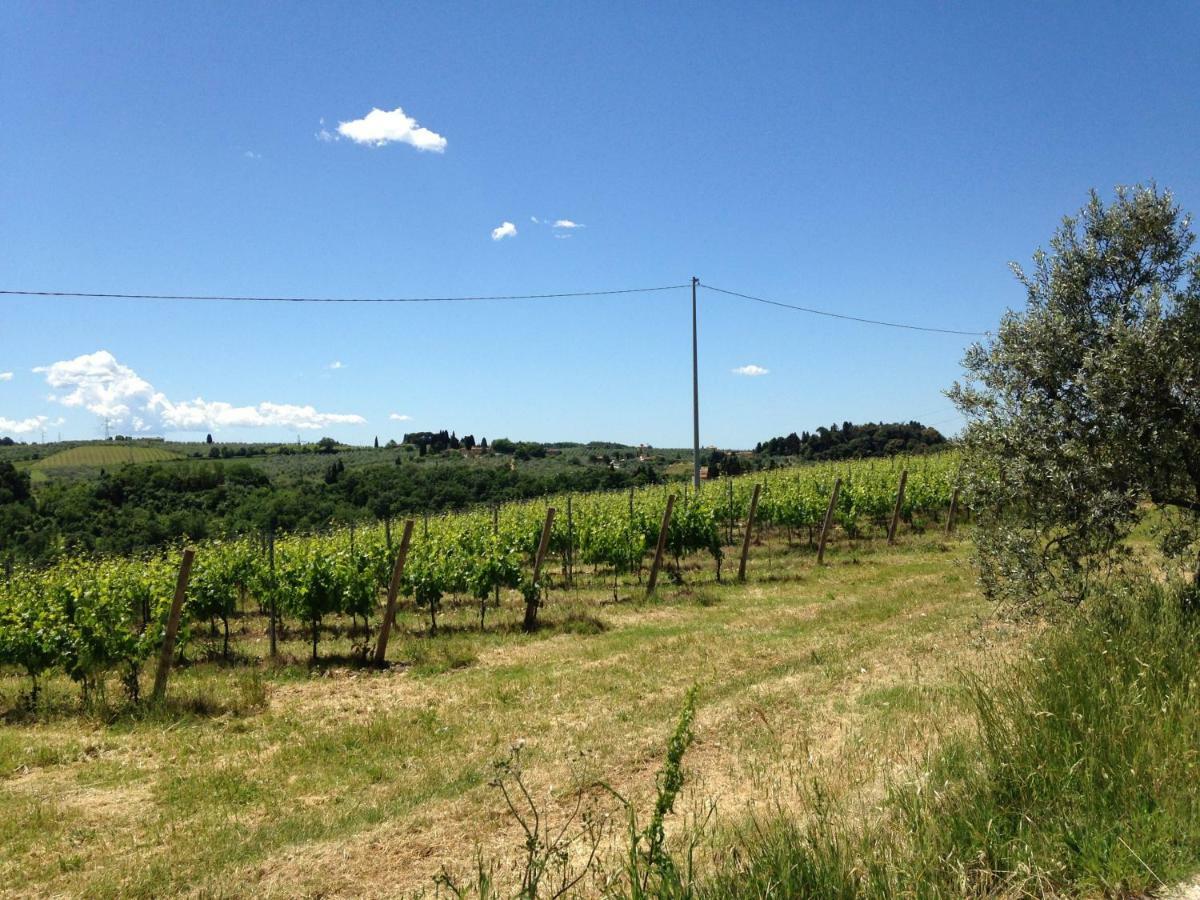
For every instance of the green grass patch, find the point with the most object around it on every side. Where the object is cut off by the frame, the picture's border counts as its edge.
(1083, 779)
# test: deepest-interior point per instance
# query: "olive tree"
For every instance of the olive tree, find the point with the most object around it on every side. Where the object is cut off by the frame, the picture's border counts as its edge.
(1083, 410)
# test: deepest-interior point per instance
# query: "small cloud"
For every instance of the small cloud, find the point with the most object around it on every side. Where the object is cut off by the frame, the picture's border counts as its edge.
(380, 127)
(505, 230)
(326, 135)
(535, 220)
(398, 417)
(751, 370)
(6, 376)
(567, 223)
(336, 364)
(562, 237)
(250, 154)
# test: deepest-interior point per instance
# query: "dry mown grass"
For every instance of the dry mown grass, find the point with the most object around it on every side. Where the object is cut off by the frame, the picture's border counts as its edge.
(357, 783)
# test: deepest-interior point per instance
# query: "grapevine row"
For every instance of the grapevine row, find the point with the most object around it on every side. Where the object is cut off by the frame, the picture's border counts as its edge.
(91, 618)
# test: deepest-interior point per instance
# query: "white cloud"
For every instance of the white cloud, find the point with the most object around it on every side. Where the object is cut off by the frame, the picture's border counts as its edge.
(378, 127)
(562, 237)
(505, 230)
(105, 387)
(567, 223)
(751, 370)
(398, 417)
(98, 383)
(336, 364)
(21, 426)
(250, 154)
(6, 376)
(535, 220)
(198, 414)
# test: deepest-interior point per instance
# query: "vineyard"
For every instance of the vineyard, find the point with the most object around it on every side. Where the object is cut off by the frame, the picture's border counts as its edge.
(101, 619)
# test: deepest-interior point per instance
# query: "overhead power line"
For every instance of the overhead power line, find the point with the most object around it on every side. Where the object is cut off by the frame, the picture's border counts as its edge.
(848, 318)
(562, 295)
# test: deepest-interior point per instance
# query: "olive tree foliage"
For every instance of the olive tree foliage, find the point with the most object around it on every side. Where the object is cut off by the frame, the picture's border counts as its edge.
(1083, 410)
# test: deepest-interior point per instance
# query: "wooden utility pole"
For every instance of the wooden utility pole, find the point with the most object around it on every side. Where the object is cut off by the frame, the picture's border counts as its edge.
(827, 524)
(953, 512)
(389, 611)
(695, 393)
(167, 654)
(899, 504)
(661, 545)
(746, 538)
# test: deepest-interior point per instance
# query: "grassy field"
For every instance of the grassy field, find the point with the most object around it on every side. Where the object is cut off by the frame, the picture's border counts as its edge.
(100, 455)
(279, 781)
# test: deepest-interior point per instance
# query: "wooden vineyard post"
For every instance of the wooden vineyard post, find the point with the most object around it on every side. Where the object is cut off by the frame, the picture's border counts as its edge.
(387, 531)
(828, 522)
(533, 598)
(496, 530)
(729, 484)
(899, 504)
(570, 560)
(639, 560)
(746, 538)
(389, 611)
(953, 511)
(167, 654)
(271, 611)
(661, 546)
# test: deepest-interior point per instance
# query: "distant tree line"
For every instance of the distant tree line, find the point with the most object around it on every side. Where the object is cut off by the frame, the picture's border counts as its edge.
(850, 441)
(440, 441)
(140, 507)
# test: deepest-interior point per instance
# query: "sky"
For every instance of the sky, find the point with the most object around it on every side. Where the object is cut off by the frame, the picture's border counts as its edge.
(882, 160)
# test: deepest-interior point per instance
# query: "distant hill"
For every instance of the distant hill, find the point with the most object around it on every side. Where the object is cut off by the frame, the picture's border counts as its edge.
(850, 441)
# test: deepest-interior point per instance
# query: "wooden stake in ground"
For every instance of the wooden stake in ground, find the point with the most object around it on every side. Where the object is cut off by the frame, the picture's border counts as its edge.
(639, 559)
(389, 611)
(533, 599)
(746, 538)
(729, 485)
(496, 530)
(953, 512)
(271, 611)
(661, 546)
(828, 522)
(896, 511)
(166, 656)
(569, 561)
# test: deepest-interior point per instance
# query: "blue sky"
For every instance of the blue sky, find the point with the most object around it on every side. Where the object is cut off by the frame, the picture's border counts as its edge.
(882, 160)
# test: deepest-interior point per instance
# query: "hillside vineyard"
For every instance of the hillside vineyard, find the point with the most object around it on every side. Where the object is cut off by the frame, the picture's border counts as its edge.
(92, 618)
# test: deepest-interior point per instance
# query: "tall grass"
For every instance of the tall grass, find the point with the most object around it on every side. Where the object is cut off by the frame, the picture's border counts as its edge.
(1083, 778)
